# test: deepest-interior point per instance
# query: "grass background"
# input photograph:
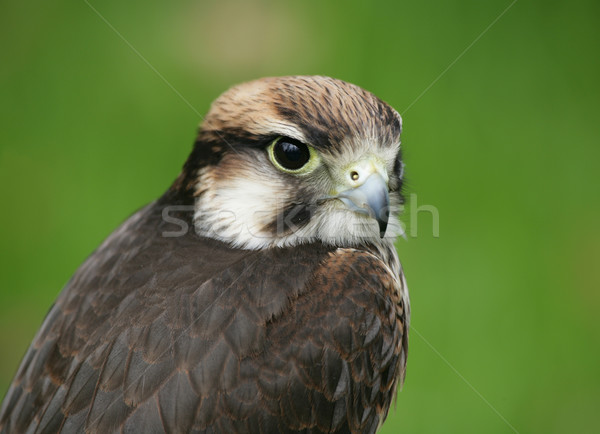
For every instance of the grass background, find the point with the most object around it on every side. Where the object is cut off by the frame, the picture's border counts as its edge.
(500, 135)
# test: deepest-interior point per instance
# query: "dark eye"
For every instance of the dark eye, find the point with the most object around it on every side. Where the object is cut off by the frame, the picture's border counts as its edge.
(291, 154)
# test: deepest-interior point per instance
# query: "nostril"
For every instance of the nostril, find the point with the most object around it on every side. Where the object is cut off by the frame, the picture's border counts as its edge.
(354, 175)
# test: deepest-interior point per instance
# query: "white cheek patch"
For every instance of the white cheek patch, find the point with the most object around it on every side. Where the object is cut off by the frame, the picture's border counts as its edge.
(237, 210)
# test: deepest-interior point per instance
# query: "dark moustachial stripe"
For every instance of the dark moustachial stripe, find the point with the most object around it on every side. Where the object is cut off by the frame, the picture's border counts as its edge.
(292, 218)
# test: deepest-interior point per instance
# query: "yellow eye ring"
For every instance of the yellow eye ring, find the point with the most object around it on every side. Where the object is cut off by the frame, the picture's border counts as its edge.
(292, 156)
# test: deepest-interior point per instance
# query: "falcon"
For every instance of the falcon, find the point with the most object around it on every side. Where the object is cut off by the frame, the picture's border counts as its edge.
(261, 293)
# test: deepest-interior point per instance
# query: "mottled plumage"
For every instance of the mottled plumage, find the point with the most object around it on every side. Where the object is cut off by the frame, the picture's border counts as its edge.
(210, 330)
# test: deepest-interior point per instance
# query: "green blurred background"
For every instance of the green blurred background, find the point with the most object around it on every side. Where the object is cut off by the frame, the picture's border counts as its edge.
(504, 144)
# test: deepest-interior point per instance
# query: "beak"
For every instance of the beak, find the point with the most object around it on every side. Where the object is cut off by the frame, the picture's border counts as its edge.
(370, 198)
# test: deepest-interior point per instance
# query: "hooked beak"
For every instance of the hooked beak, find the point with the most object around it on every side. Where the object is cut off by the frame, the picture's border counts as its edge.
(371, 198)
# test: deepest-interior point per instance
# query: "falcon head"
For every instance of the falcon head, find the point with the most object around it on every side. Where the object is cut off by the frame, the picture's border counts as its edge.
(287, 160)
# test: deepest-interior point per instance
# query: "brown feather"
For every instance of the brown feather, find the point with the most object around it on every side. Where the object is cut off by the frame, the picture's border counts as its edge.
(187, 334)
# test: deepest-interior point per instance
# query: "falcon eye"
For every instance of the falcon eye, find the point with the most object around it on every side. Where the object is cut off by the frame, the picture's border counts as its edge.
(292, 156)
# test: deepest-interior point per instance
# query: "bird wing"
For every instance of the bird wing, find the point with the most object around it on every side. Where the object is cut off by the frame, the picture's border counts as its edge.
(335, 358)
(174, 335)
